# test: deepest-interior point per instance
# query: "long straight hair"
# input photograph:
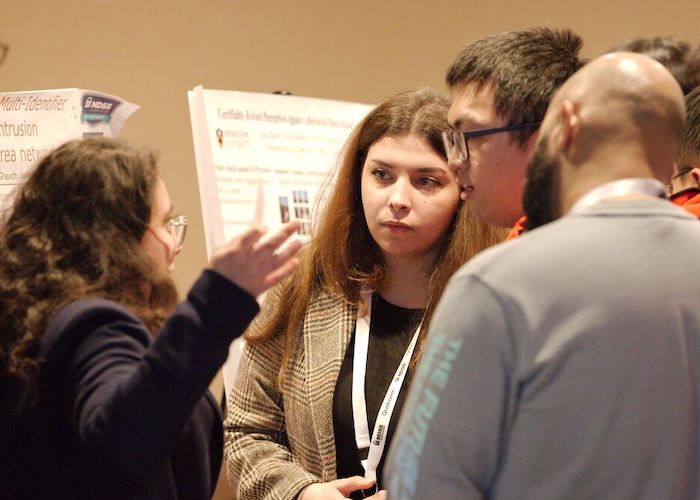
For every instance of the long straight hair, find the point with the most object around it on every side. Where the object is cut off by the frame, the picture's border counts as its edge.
(342, 258)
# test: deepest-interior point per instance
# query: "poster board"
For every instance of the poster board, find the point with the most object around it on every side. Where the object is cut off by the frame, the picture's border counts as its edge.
(32, 123)
(264, 157)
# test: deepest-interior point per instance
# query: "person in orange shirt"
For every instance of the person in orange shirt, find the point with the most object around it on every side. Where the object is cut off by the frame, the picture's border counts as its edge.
(684, 185)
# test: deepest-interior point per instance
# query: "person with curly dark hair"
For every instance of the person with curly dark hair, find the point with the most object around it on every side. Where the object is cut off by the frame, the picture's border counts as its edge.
(103, 381)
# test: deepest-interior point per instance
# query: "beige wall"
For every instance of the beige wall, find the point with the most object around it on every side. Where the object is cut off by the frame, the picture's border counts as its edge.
(151, 52)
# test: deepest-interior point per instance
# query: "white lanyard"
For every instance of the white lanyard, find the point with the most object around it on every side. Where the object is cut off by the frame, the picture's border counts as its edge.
(359, 405)
(622, 187)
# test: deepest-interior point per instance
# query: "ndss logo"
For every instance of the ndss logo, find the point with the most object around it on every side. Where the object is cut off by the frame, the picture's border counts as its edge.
(97, 108)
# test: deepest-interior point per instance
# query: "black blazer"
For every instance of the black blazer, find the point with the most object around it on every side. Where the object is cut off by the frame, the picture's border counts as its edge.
(124, 415)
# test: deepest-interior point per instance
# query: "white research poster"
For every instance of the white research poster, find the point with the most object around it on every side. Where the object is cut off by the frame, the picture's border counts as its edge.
(264, 157)
(32, 123)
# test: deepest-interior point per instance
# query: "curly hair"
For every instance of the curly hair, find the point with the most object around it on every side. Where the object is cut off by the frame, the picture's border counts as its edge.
(74, 231)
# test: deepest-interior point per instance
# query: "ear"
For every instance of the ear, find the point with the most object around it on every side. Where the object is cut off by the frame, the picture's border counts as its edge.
(695, 175)
(569, 125)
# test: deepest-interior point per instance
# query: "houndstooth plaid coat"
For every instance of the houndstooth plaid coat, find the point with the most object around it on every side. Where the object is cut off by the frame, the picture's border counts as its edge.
(277, 443)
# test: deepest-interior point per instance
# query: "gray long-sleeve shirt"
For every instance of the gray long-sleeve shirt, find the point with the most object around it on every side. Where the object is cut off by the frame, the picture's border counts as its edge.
(563, 365)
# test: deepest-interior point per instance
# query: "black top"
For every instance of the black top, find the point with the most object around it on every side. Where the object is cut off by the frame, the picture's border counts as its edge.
(391, 330)
(124, 415)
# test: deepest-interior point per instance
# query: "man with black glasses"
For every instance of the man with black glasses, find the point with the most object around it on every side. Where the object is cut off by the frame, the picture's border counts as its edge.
(501, 86)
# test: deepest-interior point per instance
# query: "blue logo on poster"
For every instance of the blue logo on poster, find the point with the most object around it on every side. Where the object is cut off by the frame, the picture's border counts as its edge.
(97, 108)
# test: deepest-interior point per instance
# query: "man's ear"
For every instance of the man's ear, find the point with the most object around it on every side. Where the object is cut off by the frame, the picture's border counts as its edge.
(568, 127)
(695, 175)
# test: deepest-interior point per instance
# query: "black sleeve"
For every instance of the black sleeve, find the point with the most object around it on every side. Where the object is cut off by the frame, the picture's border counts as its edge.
(129, 397)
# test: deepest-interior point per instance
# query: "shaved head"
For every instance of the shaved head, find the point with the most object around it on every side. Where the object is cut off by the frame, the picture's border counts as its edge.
(627, 98)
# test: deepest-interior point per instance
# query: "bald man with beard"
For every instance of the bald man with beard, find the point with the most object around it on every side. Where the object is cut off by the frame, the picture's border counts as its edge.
(566, 364)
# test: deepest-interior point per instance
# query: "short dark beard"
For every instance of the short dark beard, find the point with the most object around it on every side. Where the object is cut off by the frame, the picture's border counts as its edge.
(541, 189)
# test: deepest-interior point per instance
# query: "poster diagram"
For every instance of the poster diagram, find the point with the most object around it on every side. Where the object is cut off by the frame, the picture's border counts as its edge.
(264, 157)
(35, 122)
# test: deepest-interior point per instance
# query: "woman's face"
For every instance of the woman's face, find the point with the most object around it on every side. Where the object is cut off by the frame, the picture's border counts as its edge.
(409, 195)
(158, 241)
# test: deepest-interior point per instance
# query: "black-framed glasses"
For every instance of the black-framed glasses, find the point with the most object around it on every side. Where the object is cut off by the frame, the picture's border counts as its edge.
(457, 143)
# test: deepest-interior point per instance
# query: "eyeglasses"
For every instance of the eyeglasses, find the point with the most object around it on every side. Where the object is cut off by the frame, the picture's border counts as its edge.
(177, 227)
(681, 172)
(457, 143)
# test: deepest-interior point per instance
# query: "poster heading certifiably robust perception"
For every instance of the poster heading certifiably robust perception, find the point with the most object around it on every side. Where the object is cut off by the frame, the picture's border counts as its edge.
(35, 122)
(264, 157)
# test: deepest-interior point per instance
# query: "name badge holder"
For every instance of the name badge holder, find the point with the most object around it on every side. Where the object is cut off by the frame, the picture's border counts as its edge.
(375, 447)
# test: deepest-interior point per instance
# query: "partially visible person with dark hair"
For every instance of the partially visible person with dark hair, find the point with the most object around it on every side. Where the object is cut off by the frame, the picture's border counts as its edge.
(674, 54)
(91, 404)
(501, 86)
(685, 182)
(692, 64)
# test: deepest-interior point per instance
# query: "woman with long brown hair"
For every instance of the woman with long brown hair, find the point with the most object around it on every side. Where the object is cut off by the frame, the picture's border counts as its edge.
(324, 372)
(90, 405)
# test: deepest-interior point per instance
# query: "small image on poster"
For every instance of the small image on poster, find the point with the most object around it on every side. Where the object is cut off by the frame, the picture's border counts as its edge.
(284, 209)
(302, 210)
